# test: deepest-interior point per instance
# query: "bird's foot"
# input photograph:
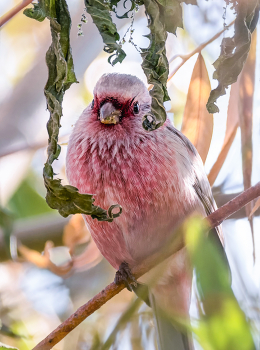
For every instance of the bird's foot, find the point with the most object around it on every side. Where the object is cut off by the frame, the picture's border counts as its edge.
(124, 274)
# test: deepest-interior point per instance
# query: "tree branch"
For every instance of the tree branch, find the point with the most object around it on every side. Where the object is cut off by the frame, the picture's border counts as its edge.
(6, 17)
(197, 50)
(112, 289)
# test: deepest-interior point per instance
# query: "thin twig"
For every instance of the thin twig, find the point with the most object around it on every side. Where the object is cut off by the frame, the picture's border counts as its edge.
(197, 50)
(112, 289)
(5, 18)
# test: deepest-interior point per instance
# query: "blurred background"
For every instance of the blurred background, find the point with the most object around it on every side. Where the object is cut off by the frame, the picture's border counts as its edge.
(43, 283)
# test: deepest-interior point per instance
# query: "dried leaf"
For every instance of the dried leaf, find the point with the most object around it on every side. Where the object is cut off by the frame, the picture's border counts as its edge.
(155, 65)
(234, 50)
(246, 95)
(36, 258)
(43, 260)
(75, 232)
(256, 206)
(197, 123)
(231, 130)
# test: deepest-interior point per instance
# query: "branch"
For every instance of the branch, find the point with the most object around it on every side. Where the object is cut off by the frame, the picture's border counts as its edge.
(112, 289)
(5, 18)
(197, 50)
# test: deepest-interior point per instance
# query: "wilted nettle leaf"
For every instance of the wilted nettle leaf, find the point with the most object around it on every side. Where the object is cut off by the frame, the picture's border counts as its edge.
(66, 199)
(99, 11)
(171, 14)
(155, 63)
(192, 2)
(36, 12)
(234, 50)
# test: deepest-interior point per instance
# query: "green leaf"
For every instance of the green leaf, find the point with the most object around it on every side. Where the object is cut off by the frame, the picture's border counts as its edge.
(66, 199)
(7, 347)
(163, 16)
(171, 14)
(223, 325)
(99, 11)
(234, 51)
(37, 12)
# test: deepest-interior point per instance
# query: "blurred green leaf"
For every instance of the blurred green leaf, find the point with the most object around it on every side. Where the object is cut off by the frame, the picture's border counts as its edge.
(26, 201)
(6, 347)
(223, 324)
(234, 50)
(6, 222)
(121, 323)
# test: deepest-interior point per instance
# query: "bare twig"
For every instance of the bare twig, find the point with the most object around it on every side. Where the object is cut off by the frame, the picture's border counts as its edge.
(197, 50)
(5, 18)
(112, 289)
(234, 205)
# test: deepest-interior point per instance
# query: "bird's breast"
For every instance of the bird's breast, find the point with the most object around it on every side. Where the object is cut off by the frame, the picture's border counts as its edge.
(144, 178)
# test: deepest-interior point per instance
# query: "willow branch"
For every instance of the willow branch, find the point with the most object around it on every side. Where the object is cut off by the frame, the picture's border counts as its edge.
(112, 289)
(5, 18)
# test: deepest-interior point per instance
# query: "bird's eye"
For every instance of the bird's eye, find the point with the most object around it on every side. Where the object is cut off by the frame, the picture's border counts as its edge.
(136, 107)
(92, 104)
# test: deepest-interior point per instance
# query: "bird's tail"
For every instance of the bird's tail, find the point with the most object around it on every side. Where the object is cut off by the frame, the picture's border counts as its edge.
(170, 335)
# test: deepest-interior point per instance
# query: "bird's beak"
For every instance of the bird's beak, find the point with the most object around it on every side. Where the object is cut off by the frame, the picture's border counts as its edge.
(109, 115)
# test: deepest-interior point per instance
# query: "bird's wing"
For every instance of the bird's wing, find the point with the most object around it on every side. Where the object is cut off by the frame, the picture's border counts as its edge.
(202, 189)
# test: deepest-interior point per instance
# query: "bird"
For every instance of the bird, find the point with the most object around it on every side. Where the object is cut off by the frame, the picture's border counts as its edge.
(156, 176)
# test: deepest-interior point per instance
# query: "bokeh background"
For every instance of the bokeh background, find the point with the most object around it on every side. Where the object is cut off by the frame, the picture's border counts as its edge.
(38, 291)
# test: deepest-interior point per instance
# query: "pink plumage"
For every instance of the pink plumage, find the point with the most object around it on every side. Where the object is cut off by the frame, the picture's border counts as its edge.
(157, 177)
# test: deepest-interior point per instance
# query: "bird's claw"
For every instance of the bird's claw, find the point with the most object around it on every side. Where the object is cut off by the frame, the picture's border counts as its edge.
(124, 274)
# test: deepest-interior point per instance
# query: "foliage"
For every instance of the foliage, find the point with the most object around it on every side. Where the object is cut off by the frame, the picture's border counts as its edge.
(223, 324)
(99, 12)
(66, 199)
(6, 223)
(234, 50)
(6, 347)
(163, 16)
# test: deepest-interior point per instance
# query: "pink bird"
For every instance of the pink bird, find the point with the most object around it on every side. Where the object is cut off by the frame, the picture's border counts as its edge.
(157, 177)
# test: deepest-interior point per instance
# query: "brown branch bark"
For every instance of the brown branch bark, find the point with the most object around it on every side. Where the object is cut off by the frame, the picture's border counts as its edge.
(6, 17)
(112, 289)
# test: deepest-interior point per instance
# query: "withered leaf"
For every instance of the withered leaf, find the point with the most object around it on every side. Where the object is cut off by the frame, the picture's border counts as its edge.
(197, 122)
(231, 130)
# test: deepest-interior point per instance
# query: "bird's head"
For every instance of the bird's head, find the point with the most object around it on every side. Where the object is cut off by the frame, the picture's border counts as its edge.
(120, 100)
